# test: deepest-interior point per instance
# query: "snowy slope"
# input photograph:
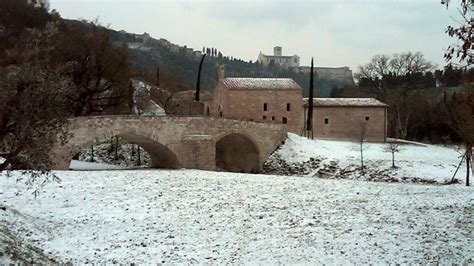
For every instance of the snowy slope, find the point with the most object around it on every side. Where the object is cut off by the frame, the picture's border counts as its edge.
(340, 159)
(189, 216)
(142, 102)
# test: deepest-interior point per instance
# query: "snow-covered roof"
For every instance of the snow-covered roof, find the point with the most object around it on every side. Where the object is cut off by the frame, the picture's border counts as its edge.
(261, 83)
(351, 102)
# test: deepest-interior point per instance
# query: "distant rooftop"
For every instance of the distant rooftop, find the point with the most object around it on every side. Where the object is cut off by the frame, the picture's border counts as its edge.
(349, 102)
(261, 83)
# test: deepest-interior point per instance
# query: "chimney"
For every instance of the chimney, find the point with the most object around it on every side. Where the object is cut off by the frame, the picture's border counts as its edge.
(221, 72)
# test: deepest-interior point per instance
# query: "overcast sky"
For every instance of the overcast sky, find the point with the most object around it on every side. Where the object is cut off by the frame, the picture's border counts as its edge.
(335, 33)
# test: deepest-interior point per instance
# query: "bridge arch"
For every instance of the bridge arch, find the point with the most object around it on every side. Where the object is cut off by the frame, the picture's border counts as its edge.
(161, 156)
(178, 142)
(237, 152)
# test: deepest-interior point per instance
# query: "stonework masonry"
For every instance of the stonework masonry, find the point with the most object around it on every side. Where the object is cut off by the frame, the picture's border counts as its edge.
(178, 142)
(349, 122)
(277, 106)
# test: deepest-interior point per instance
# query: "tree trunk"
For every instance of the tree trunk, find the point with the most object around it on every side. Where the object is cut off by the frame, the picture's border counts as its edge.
(139, 162)
(92, 153)
(468, 171)
(362, 157)
(309, 122)
(393, 159)
(116, 148)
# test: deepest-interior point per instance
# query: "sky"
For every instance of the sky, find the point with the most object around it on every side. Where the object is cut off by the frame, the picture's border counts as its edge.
(336, 33)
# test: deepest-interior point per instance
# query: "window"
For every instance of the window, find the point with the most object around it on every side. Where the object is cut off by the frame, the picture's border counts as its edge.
(220, 113)
(296, 60)
(288, 107)
(264, 117)
(326, 120)
(273, 118)
(265, 107)
(284, 120)
(367, 118)
(208, 112)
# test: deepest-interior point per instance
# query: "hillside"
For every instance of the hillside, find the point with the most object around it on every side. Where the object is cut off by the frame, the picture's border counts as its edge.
(149, 53)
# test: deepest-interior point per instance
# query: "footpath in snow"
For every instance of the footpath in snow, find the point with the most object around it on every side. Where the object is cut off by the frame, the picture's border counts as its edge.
(341, 159)
(189, 216)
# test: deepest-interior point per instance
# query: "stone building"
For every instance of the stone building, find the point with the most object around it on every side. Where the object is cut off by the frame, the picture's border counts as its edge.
(279, 59)
(343, 74)
(268, 100)
(280, 100)
(348, 118)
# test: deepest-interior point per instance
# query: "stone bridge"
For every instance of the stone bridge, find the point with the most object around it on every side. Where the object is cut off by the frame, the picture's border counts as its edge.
(179, 142)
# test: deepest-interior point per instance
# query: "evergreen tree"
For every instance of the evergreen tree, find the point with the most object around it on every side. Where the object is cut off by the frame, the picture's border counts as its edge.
(198, 83)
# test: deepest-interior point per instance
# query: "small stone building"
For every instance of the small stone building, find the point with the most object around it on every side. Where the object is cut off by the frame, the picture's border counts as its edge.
(348, 118)
(268, 100)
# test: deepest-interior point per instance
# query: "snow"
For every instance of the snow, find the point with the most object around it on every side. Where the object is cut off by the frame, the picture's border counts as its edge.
(415, 161)
(80, 165)
(104, 153)
(191, 216)
(346, 102)
(138, 46)
(142, 102)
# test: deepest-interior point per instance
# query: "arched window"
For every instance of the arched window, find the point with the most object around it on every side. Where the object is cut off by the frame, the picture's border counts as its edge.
(265, 107)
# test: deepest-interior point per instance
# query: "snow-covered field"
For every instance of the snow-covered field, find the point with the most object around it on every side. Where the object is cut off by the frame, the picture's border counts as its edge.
(190, 216)
(341, 159)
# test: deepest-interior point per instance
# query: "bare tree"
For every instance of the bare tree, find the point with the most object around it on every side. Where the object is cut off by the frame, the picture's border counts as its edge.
(101, 70)
(393, 147)
(361, 139)
(375, 73)
(460, 111)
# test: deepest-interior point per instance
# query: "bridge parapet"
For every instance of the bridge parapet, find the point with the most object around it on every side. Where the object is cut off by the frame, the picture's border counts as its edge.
(174, 142)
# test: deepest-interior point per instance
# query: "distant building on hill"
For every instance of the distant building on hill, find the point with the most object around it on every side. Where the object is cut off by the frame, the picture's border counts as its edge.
(343, 74)
(278, 59)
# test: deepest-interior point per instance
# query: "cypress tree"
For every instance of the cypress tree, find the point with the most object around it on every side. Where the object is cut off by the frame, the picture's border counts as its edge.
(198, 83)
(309, 122)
